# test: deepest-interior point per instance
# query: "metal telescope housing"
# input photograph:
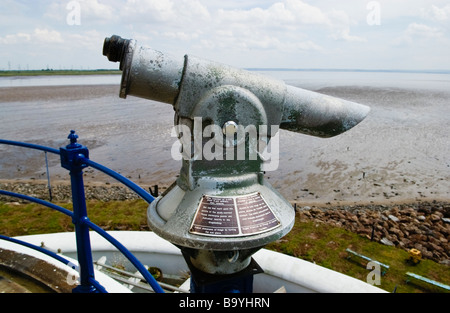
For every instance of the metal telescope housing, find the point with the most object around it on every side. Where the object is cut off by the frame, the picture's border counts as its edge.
(154, 75)
(221, 210)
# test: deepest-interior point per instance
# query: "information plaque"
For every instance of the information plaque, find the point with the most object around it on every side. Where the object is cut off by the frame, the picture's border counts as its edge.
(233, 216)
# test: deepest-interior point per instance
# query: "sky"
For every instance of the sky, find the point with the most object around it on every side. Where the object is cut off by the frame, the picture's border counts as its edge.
(323, 34)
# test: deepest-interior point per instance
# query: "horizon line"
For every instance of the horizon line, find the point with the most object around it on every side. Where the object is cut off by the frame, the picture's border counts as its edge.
(435, 71)
(281, 69)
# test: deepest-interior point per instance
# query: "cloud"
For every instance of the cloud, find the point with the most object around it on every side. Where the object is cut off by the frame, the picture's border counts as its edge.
(421, 30)
(89, 10)
(305, 13)
(339, 24)
(47, 36)
(95, 9)
(246, 26)
(438, 14)
(285, 26)
(343, 33)
(421, 35)
(168, 11)
(288, 13)
(155, 10)
(181, 35)
(15, 38)
(39, 35)
(254, 33)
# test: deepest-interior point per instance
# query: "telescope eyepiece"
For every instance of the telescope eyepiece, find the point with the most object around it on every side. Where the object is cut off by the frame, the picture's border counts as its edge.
(115, 48)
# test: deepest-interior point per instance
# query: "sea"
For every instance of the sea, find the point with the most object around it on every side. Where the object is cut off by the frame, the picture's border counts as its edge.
(400, 152)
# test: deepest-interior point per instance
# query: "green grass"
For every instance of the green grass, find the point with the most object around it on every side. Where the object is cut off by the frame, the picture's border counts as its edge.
(315, 242)
(58, 72)
(326, 246)
(31, 219)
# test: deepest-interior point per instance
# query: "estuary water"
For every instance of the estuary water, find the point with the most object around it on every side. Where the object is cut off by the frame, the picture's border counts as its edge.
(400, 152)
(59, 80)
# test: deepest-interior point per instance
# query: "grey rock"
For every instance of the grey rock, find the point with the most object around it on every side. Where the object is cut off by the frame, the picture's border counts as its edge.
(387, 242)
(393, 218)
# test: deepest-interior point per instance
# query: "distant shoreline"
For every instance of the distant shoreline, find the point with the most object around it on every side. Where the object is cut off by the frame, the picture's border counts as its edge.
(49, 72)
(348, 70)
(58, 72)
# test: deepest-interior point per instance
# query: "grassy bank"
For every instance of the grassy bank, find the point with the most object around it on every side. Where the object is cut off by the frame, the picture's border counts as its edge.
(320, 243)
(31, 219)
(326, 245)
(58, 72)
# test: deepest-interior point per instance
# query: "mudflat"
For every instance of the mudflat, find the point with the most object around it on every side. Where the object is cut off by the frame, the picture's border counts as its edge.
(399, 153)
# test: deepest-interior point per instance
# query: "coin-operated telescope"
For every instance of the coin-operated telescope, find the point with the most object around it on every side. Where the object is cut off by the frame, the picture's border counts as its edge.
(220, 210)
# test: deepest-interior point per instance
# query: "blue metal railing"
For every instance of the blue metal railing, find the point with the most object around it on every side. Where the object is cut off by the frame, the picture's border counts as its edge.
(75, 157)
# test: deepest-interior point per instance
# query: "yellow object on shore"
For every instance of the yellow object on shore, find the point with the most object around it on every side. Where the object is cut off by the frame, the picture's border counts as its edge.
(415, 255)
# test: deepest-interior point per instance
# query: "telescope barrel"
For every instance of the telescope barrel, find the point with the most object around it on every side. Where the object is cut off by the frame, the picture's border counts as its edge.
(147, 73)
(154, 75)
(319, 115)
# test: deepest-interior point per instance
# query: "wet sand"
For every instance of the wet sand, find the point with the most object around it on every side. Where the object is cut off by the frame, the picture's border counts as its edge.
(400, 153)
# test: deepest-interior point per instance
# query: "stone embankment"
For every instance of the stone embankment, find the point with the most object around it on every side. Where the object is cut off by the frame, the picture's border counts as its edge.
(62, 192)
(423, 226)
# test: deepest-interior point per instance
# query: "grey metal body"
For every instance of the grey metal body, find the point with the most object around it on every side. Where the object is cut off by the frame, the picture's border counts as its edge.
(157, 76)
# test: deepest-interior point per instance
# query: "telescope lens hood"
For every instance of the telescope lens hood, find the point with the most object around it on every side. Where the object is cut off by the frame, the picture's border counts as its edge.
(115, 47)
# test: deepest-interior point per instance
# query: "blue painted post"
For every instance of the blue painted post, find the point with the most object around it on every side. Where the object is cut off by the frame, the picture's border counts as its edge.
(70, 159)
